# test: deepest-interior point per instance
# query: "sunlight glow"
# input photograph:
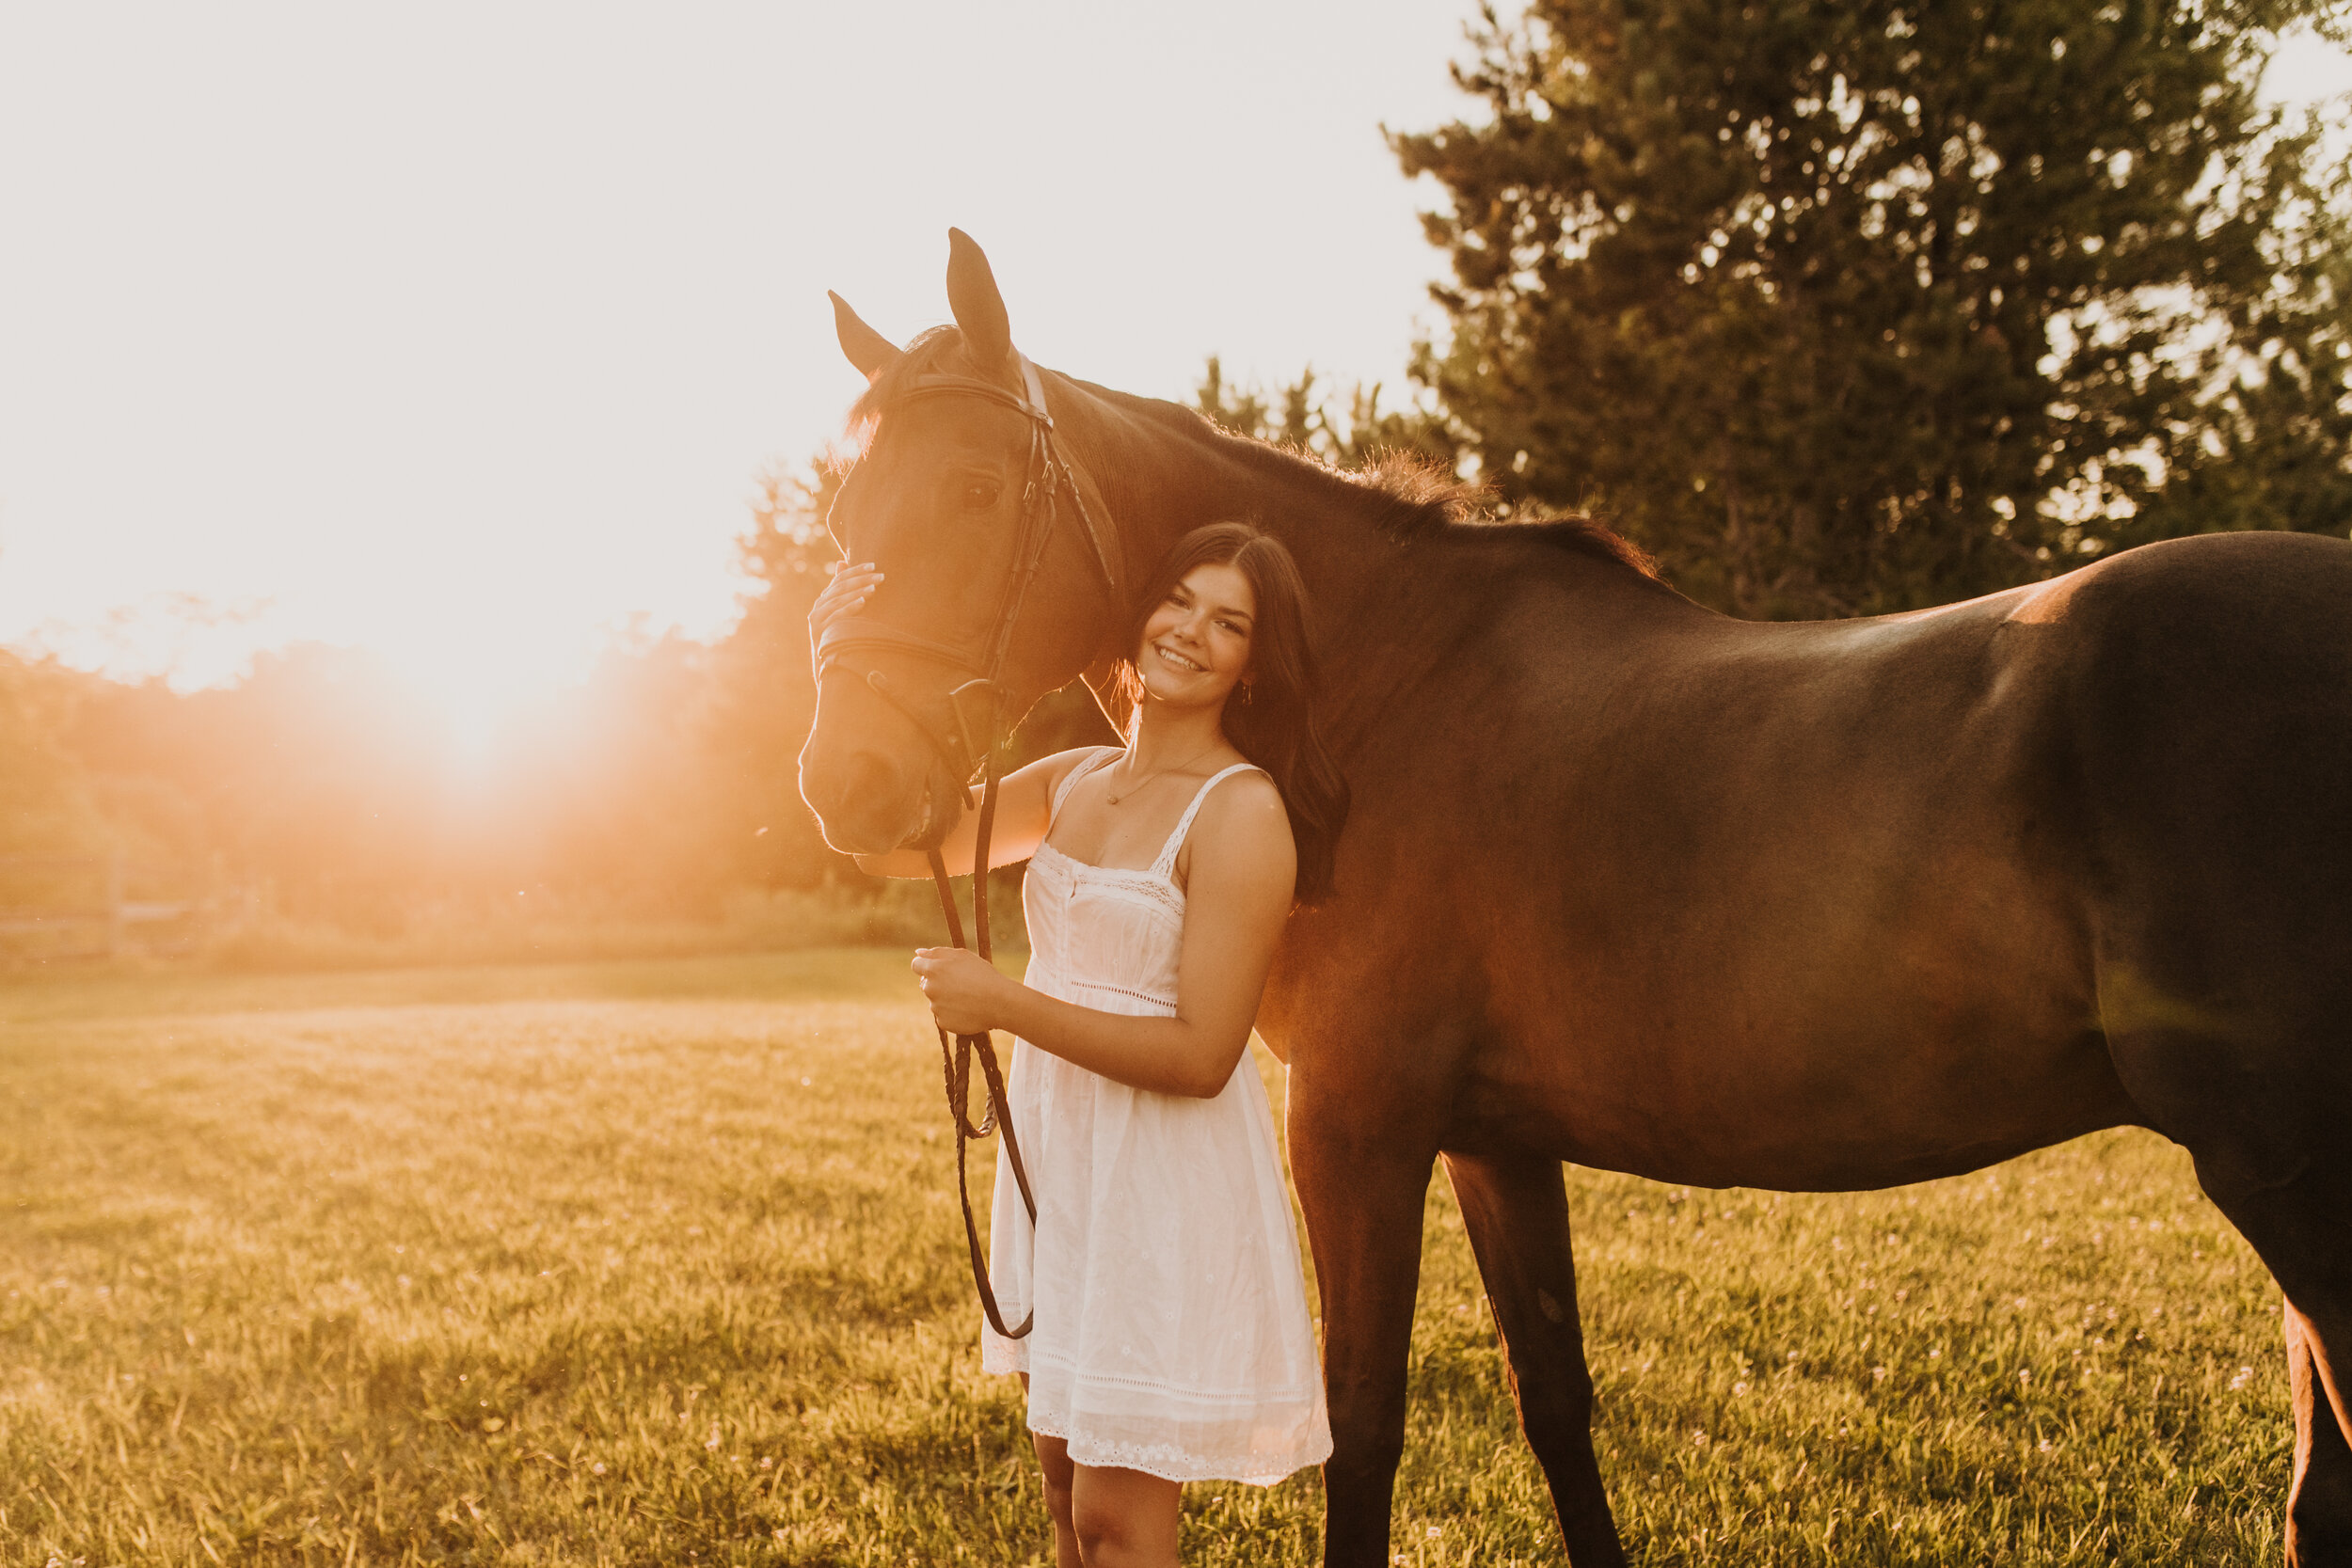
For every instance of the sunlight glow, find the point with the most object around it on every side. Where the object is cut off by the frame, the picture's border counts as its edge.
(460, 333)
(482, 686)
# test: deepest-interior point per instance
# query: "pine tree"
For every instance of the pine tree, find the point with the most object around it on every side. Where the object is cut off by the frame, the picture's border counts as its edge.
(1347, 431)
(1843, 307)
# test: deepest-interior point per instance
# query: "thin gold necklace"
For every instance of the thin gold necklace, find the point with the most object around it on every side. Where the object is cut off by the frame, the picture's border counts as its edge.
(1148, 778)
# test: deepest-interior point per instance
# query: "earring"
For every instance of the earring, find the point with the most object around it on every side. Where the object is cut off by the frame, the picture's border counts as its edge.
(1245, 690)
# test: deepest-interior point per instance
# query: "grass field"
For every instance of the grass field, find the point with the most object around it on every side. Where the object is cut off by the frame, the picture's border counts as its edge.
(659, 1264)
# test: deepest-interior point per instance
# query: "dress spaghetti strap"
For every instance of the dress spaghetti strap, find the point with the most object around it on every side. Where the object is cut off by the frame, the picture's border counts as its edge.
(1166, 864)
(1069, 779)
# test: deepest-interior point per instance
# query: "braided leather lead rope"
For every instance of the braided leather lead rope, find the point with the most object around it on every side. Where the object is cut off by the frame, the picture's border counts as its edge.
(956, 1064)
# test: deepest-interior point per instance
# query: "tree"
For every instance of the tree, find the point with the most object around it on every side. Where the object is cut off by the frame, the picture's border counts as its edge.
(46, 801)
(763, 697)
(316, 771)
(1347, 433)
(1850, 308)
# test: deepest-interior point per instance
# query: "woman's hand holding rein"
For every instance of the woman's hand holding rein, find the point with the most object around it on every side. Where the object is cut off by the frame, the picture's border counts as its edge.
(967, 994)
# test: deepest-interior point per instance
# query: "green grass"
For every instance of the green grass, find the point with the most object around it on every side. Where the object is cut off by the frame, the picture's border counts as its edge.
(659, 1264)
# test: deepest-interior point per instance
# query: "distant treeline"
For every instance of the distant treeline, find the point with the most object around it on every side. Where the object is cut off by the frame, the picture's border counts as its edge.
(316, 787)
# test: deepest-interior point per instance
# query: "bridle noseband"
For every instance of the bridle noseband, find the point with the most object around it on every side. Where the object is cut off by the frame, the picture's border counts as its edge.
(966, 748)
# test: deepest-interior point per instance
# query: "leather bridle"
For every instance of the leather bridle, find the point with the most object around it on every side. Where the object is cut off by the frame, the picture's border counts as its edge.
(966, 748)
(1048, 474)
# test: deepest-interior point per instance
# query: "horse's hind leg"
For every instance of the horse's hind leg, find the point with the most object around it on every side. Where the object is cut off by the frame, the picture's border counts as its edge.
(1516, 1208)
(2302, 1227)
(2262, 1120)
(2319, 1501)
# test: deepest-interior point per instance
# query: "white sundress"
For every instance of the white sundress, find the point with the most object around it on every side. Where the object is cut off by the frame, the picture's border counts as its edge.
(1172, 1333)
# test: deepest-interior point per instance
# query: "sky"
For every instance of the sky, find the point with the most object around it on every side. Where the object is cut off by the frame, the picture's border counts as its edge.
(462, 331)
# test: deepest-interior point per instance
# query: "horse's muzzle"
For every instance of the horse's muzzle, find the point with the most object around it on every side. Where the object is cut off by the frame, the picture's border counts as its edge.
(868, 804)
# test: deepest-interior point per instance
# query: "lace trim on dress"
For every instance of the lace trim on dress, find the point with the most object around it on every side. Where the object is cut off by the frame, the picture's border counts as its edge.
(1243, 1398)
(1171, 1462)
(1156, 883)
(1154, 997)
(1145, 887)
(1070, 781)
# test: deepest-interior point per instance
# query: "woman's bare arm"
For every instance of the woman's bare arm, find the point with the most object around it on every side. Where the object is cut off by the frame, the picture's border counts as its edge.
(1025, 798)
(1242, 866)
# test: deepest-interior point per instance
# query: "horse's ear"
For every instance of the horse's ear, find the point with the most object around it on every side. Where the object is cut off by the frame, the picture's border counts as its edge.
(980, 308)
(867, 349)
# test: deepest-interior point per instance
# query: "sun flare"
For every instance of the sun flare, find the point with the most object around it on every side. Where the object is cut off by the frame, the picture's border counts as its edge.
(477, 685)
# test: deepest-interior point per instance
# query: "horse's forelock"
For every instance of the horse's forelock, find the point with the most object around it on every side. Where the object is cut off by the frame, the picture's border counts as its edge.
(928, 354)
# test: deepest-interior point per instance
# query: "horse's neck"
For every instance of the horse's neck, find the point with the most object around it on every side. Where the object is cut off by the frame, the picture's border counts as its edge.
(1166, 479)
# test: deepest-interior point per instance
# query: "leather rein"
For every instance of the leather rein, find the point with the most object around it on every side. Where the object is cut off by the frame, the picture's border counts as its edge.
(977, 743)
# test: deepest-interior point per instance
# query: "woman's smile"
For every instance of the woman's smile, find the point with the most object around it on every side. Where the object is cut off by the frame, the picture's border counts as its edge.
(1178, 660)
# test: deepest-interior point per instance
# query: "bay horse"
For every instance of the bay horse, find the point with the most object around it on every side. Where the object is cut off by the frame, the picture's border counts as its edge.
(1808, 907)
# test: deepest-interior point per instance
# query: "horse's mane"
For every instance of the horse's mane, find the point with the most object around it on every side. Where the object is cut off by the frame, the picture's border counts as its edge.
(1413, 497)
(1417, 498)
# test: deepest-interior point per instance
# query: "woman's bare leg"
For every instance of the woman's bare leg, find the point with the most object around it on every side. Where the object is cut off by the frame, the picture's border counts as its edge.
(1053, 1458)
(1105, 1518)
(1125, 1518)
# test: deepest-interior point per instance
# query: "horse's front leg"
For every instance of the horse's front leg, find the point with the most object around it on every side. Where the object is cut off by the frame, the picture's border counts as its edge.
(1516, 1208)
(1362, 1179)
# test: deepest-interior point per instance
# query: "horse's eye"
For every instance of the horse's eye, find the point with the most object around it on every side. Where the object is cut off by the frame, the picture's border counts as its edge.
(980, 495)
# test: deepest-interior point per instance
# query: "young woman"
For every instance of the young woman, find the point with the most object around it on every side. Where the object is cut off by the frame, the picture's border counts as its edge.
(1172, 1341)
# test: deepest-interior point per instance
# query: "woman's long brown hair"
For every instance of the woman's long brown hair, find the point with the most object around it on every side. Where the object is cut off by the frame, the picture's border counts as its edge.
(1272, 720)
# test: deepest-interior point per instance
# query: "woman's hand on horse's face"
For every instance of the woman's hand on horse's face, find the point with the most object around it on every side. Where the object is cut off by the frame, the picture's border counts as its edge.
(966, 991)
(844, 595)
